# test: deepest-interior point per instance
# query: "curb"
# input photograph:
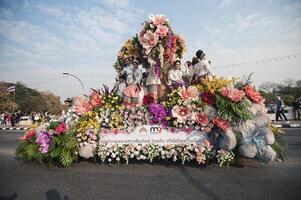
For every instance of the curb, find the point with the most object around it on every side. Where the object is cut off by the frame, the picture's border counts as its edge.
(13, 128)
(288, 125)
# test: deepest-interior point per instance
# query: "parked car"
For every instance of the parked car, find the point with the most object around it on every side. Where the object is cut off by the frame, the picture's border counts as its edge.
(25, 121)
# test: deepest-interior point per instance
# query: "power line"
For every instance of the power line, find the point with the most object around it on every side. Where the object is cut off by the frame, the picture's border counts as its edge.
(262, 61)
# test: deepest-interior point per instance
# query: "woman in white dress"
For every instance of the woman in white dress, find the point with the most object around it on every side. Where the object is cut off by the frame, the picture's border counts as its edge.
(175, 75)
(133, 89)
(153, 79)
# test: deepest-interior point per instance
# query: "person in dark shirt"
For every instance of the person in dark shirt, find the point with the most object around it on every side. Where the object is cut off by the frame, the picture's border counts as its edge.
(280, 109)
(297, 108)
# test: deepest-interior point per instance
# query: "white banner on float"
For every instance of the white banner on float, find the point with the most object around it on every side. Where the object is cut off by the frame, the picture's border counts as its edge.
(153, 135)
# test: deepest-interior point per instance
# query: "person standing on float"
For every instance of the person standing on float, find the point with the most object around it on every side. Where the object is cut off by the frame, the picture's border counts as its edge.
(175, 75)
(153, 80)
(133, 89)
(202, 68)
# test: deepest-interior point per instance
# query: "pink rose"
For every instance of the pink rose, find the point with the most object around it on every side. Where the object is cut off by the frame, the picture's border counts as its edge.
(253, 95)
(158, 19)
(148, 41)
(162, 30)
(232, 93)
(221, 123)
(190, 93)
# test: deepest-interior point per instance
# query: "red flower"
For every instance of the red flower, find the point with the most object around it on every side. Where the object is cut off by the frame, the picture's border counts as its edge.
(148, 99)
(253, 95)
(61, 128)
(28, 135)
(221, 123)
(208, 98)
(202, 119)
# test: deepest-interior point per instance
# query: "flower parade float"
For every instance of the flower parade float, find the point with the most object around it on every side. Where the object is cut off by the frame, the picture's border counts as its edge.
(152, 116)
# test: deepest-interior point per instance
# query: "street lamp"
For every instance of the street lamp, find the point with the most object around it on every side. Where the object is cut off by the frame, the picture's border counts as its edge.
(69, 74)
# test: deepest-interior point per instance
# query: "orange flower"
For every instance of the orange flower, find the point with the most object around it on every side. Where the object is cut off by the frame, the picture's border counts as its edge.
(253, 95)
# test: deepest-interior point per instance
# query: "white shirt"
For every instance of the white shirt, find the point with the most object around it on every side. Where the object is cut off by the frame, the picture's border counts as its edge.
(133, 76)
(175, 76)
(203, 68)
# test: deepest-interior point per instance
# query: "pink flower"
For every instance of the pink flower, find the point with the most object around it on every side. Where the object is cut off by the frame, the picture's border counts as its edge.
(61, 128)
(232, 93)
(162, 30)
(191, 93)
(181, 113)
(148, 41)
(96, 99)
(221, 123)
(253, 95)
(201, 119)
(82, 105)
(158, 19)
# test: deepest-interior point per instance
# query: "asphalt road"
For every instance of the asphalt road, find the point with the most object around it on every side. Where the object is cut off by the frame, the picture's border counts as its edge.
(88, 180)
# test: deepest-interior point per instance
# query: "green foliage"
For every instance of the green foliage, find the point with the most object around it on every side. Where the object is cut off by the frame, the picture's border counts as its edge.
(279, 145)
(235, 112)
(63, 149)
(29, 151)
(53, 125)
(244, 81)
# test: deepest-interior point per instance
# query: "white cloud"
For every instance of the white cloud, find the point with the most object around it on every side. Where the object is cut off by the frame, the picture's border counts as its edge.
(225, 3)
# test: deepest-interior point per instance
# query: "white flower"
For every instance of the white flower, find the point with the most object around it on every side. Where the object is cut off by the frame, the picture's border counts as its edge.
(109, 160)
(118, 159)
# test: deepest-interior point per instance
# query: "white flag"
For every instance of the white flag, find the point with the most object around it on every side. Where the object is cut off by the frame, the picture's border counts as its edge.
(11, 89)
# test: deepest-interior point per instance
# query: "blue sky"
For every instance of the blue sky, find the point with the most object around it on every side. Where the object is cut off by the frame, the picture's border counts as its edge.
(39, 40)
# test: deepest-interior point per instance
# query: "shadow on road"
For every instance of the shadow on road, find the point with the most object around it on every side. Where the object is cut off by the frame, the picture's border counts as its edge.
(12, 197)
(53, 194)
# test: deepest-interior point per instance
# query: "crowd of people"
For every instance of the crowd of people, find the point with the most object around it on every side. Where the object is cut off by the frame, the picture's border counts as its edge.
(9, 119)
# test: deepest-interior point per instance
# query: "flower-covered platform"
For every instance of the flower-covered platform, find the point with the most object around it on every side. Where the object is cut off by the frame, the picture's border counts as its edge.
(188, 118)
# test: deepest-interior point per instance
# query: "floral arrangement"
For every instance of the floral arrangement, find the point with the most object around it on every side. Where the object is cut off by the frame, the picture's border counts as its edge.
(202, 154)
(230, 114)
(155, 44)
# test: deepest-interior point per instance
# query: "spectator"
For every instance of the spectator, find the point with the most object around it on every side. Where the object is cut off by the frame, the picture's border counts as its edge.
(297, 108)
(280, 109)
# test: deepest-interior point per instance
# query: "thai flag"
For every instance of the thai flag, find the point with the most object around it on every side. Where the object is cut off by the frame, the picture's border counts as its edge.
(11, 89)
